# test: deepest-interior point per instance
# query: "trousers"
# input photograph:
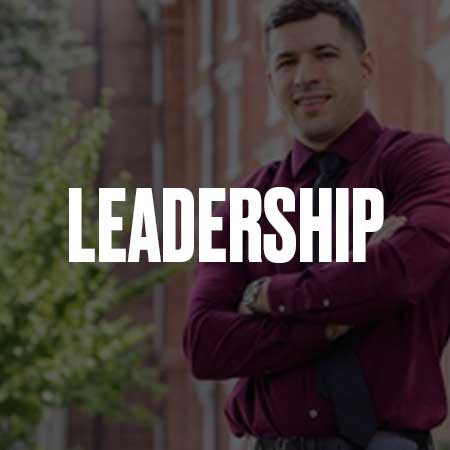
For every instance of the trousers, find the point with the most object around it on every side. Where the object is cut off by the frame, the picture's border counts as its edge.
(382, 440)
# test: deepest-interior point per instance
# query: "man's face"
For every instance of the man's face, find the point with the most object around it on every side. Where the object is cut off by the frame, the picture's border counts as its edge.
(319, 78)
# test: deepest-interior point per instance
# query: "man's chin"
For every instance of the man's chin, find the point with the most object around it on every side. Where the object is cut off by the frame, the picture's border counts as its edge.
(313, 129)
(318, 132)
(314, 122)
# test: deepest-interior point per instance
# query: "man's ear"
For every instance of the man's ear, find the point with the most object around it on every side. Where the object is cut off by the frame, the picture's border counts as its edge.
(368, 67)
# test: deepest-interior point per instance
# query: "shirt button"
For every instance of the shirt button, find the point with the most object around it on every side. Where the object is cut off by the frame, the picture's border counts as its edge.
(326, 302)
(282, 308)
(313, 413)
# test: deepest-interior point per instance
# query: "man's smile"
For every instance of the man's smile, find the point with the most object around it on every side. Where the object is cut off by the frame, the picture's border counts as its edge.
(312, 102)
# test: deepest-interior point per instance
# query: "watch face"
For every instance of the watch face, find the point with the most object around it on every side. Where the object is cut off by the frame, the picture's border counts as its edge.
(249, 295)
(252, 294)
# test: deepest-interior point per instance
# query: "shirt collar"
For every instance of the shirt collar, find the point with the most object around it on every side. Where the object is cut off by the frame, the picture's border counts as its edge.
(350, 145)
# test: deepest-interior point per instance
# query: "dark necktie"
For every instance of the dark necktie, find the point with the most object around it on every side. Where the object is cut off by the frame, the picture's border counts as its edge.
(330, 165)
(339, 373)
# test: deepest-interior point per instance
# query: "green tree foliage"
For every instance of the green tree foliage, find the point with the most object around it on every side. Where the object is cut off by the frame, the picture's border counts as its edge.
(62, 340)
(38, 50)
(58, 342)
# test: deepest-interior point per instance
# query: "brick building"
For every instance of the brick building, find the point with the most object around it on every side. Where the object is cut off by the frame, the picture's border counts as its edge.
(192, 109)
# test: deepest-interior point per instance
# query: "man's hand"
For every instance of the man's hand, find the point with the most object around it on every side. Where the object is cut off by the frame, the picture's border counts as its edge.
(262, 304)
(390, 226)
(332, 332)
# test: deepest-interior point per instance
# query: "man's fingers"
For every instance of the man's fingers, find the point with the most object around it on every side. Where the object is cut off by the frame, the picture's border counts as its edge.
(333, 332)
(390, 226)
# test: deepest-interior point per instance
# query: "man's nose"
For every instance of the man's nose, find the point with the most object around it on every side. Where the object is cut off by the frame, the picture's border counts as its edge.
(308, 72)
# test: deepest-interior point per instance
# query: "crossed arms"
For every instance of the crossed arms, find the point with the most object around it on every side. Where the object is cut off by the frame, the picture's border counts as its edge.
(221, 341)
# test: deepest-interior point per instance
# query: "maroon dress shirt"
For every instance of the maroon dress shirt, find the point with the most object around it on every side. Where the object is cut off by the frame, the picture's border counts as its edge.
(399, 298)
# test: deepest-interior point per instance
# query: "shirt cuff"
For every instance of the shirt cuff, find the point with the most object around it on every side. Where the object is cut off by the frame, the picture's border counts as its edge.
(294, 293)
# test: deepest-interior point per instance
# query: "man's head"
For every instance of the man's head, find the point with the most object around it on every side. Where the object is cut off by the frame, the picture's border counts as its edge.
(318, 66)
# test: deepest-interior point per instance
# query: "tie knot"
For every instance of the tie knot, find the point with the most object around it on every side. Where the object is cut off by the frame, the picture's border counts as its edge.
(330, 163)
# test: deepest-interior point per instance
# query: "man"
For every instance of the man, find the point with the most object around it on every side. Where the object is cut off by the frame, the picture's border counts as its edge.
(282, 328)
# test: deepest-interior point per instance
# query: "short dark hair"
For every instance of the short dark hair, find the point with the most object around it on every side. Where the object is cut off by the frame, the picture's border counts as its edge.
(288, 11)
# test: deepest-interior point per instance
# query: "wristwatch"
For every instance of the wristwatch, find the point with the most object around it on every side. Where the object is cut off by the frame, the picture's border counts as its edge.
(251, 294)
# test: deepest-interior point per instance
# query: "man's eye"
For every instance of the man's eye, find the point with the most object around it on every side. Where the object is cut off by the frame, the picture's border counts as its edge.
(327, 55)
(284, 63)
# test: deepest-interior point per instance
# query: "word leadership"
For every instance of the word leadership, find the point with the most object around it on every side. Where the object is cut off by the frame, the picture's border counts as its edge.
(246, 206)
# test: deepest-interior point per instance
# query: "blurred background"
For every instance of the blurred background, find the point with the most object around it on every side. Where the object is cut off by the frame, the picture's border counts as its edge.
(187, 106)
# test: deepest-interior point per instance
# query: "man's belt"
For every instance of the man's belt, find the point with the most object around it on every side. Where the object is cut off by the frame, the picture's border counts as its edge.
(383, 440)
(303, 443)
